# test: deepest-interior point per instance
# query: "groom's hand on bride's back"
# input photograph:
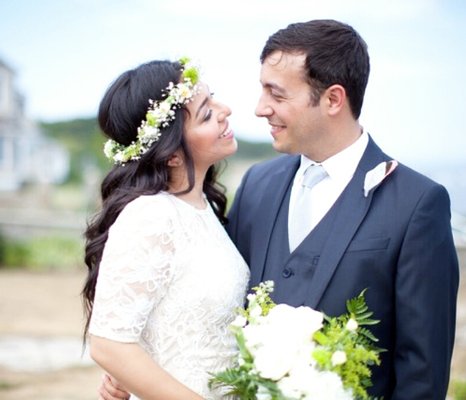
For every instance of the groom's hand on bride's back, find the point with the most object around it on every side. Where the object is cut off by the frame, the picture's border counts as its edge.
(110, 389)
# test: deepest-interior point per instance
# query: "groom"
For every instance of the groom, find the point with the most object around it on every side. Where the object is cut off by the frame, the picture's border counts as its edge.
(390, 234)
(374, 223)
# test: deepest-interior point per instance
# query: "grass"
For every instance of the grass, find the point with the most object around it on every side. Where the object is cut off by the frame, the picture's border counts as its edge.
(41, 253)
(7, 385)
(457, 390)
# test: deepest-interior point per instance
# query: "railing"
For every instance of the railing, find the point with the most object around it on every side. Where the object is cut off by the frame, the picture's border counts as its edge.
(23, 222)
(30, 221)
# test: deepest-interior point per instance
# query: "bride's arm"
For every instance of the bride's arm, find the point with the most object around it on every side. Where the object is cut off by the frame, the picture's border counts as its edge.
(137, 372)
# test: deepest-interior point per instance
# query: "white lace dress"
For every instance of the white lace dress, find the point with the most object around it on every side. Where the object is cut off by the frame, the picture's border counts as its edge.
(170, 279)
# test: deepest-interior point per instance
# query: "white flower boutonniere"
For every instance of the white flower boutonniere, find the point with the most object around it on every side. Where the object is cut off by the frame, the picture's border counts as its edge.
(375, 176)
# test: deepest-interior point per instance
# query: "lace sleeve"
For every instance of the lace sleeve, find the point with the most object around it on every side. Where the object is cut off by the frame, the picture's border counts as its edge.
(135, 270)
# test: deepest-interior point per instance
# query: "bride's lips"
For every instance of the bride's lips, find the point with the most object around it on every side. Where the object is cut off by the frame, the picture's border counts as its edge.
(227, 133)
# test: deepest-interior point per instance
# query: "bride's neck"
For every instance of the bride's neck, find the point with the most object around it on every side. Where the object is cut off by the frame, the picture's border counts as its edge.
(179, 183)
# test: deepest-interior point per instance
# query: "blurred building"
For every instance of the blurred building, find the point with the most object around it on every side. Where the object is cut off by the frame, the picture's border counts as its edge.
(26, 155)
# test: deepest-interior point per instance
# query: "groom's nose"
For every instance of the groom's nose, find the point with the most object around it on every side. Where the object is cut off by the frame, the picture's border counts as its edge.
(263, 109)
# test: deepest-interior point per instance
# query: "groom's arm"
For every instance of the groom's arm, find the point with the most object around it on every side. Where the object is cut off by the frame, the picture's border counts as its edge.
(426, 292)
(111, 389)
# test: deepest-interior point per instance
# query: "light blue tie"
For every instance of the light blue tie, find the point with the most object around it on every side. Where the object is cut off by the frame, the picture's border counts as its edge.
(300, 220)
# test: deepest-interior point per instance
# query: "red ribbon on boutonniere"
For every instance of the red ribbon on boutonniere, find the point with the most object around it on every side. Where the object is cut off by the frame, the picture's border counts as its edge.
(375, 176)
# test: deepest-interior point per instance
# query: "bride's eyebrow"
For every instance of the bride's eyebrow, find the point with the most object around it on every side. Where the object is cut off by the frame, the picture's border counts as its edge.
(204, 102)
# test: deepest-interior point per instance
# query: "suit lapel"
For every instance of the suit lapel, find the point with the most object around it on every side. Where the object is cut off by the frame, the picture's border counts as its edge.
(351, 209)
(273, 196)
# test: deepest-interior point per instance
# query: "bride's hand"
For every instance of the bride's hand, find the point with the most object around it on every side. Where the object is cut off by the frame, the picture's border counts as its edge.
(110, 389)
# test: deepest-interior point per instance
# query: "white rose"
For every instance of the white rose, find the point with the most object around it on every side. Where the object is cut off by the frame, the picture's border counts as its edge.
(300, 381)
(327, 385)
(282, 338)
(275, 358)
(273, 354)
(239, 321)
(308, 383)
(300, 322)
(254, 335)
(251, 297)
(255, 311)
(263, 393)
(352, 325)
(338, 358)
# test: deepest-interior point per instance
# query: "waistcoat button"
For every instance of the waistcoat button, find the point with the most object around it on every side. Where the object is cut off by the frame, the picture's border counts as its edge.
(287, 272)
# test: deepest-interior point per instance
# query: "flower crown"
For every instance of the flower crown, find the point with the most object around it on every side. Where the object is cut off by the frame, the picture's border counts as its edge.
(159, 115)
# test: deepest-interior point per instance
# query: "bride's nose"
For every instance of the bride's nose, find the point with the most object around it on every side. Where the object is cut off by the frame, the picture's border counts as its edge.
(225, 111)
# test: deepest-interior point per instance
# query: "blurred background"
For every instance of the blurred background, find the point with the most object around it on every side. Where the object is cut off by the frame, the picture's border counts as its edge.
(57, 59)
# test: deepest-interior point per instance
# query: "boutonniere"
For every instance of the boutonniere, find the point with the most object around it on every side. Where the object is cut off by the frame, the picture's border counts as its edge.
(375, 176)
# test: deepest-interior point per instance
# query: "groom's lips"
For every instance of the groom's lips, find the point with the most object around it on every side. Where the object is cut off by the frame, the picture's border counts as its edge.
(276, 129)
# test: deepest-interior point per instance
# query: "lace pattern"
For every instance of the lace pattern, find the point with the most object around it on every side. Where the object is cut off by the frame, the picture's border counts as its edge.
(170, 279)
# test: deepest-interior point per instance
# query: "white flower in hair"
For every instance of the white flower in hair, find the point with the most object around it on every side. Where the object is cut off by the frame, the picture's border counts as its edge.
(163, 110)
(159, 115)
(108, 149)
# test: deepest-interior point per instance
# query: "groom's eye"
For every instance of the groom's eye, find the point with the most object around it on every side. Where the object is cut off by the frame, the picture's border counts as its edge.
(276, 95)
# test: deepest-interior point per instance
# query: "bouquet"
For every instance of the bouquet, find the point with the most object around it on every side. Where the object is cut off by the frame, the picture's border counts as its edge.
(299, 353)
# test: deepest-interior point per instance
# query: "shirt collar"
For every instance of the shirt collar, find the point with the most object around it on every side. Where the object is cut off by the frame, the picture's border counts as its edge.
(342, 165)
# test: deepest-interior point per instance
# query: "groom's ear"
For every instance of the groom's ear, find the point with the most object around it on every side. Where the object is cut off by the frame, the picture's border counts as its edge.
(335, 99)
(175, 160)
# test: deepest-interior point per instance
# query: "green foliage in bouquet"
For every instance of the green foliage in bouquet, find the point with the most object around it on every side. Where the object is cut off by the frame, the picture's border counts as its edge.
(341, 346)
(346, 335)
(242, 381)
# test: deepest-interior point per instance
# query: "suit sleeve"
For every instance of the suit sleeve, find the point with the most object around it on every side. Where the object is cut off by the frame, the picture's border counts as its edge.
(426, 290)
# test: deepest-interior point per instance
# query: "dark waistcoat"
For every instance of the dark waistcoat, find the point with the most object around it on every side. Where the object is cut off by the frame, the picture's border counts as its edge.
(292, 273)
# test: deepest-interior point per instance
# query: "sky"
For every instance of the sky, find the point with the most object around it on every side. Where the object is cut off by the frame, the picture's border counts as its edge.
(66, 53)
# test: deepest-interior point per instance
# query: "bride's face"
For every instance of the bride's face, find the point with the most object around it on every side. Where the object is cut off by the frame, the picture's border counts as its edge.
(207, 130)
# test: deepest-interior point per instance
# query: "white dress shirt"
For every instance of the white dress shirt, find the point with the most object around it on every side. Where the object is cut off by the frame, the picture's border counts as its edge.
(340, 169)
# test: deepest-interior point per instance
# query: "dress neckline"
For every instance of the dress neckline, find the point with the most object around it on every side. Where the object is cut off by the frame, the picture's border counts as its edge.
(188, 205)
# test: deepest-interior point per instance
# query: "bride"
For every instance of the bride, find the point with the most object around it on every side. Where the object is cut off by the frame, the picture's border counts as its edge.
(164, 278)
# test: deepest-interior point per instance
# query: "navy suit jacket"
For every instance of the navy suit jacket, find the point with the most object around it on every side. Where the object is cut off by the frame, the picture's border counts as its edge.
(397, 242)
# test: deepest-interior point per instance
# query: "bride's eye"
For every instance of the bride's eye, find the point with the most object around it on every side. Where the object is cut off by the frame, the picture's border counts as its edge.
(208, 115)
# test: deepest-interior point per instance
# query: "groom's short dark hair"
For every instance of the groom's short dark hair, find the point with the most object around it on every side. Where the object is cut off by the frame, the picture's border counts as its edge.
(335, 54)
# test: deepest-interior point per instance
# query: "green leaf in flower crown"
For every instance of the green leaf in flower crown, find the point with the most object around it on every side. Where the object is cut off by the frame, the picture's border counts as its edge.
(184, 61)
(151, 120)
(192, 74)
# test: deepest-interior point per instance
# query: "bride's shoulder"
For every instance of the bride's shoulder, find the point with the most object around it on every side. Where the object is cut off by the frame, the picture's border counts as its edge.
(157, 201)
(148, 208)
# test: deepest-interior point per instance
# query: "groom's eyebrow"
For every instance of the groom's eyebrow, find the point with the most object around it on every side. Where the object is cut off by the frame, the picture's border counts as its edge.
(274, 86)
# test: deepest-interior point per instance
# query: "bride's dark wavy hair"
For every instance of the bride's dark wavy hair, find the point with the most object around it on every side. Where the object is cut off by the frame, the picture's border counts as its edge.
(121, 111)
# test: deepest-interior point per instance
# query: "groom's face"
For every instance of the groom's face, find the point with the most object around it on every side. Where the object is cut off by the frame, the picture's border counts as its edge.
(296, 122)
